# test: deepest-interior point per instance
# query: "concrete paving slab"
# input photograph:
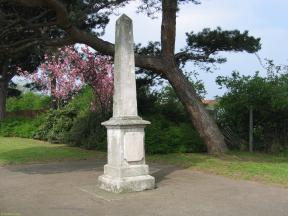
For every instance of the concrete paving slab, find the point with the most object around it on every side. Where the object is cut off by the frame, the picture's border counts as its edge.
(70, 188)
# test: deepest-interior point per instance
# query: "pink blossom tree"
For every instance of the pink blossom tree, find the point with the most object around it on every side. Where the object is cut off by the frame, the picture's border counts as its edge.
(65, 72)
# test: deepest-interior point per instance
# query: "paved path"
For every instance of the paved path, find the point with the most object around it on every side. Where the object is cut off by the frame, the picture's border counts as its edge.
(69, 188)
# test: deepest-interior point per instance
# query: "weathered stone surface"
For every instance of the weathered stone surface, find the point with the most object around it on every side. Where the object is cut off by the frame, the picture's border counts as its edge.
(121, 122)
(133, 146)
(129, 171)
(124, 102)
(126, 170)
(127, 184)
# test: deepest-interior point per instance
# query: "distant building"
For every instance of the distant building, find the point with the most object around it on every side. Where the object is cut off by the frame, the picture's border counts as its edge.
(209, 103)
(210, 106)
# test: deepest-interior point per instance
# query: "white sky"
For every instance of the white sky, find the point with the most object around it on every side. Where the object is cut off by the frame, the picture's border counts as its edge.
(263, 18)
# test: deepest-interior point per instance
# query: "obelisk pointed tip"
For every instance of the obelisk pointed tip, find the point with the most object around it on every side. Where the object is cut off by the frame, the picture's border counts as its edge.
(124, 18)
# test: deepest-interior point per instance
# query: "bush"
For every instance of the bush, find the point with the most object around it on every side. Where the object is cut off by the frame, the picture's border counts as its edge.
(20, 126)
(27, 101)
(56, 125)
(76, 125)
(88, 133)
(82, 101)
(164, 136)
(268, 99)
(170, 130)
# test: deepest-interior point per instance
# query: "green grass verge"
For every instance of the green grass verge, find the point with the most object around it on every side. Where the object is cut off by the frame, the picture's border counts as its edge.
(20, 151)
(263, 168)
(259, 167)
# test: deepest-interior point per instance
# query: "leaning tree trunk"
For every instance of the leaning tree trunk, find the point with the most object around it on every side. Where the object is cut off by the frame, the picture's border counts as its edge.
(3, 96)
(201, 119)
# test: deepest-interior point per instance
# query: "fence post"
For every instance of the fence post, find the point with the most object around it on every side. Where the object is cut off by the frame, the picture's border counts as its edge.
(251, 129)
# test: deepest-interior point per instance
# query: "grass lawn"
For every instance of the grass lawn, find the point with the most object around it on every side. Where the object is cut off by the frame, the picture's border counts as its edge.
(19, 151)
(257, 167)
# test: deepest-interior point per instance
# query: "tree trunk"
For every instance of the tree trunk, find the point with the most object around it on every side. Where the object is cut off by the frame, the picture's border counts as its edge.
(201, 119)
(3, 96)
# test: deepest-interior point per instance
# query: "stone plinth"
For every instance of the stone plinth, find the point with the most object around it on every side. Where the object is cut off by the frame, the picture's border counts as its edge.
(126, 170)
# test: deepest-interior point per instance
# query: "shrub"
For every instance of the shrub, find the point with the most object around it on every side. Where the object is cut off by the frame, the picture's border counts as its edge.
(20, 126)
(164, 136)
(27, 101)
(88, 133)
(268, 99)
(56, 125)
(76, 125)
(82, 101)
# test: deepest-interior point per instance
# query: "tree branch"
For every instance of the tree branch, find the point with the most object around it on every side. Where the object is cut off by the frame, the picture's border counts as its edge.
(76, 35)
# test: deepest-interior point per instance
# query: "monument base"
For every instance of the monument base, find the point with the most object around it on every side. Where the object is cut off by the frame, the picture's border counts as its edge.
(126, 184)
(126, 170)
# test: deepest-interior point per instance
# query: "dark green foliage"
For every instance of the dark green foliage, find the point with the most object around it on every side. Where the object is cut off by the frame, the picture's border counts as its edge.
(82, 101)
(27, 101)
(205, 45)
(12, 90)
(164, 136)
(147, 77)
(210, 41)
(86, 15)
(88, 133)
(56, 125)
(75, 124)
(170, 130)
(20, 126)
(268, 98)
(152, 48)
(146, 98)
(170, 106)
(152, 7)
(24, 126)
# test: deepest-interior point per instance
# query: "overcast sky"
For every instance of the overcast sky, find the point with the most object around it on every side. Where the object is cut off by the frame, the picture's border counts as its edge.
(263, 18)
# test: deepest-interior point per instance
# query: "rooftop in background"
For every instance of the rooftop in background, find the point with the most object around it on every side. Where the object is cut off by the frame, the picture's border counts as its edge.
(209, 102)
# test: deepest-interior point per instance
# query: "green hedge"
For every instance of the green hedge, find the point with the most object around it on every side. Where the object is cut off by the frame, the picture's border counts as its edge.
(21, 126)
(56, 125)
(164, 136)
(76, 125)
(27, 101)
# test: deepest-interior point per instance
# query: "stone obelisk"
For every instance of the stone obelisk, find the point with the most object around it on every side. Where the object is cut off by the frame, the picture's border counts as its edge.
(126, 170)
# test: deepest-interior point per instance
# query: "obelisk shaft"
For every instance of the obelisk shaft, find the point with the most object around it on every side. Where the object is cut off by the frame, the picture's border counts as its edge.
(124, 99)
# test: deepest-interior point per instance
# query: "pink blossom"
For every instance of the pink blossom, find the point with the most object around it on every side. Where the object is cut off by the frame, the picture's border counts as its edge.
(65, 73)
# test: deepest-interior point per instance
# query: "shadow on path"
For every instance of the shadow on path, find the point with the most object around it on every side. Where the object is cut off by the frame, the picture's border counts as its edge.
(59, 167)
(91, 165)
